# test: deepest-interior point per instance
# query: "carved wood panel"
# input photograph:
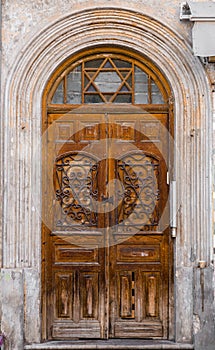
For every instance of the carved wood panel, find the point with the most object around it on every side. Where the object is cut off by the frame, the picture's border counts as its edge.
(140, 302)
(89, 295)
(64, 297)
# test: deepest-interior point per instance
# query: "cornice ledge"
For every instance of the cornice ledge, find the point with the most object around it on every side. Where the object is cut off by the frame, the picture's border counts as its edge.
(197, 11)
(203, 32)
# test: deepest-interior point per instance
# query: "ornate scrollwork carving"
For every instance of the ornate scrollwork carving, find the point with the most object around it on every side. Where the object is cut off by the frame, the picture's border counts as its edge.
(77, 190)
(139, 174)
(76, 183)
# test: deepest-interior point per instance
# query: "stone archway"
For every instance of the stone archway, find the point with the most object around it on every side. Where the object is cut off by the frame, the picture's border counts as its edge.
(22, 106)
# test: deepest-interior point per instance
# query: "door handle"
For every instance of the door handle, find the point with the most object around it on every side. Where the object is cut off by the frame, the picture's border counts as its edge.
(107, 199)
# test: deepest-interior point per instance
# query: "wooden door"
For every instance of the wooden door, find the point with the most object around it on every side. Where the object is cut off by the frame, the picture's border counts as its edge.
(106, 259)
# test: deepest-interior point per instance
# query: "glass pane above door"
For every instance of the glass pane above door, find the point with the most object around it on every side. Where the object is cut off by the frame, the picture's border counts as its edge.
(108, 79)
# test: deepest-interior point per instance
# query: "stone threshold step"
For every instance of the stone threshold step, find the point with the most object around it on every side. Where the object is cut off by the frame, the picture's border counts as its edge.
(132, 344)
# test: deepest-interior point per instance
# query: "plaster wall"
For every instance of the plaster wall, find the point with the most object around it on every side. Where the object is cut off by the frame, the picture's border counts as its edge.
(22, 20)
(36, 37)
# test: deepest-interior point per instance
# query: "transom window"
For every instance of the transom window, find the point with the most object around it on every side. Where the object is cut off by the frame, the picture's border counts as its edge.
(107, 78)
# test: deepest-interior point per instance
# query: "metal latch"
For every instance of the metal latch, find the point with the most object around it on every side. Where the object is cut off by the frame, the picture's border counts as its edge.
(173, 209)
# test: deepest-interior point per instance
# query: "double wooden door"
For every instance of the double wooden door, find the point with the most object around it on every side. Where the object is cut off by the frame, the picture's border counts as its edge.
(106, 239)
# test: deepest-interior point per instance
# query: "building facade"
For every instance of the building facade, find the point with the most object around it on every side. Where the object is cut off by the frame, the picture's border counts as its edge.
(106, 177)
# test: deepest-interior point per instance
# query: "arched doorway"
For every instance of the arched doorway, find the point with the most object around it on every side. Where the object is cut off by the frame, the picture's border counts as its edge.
(106, 153)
